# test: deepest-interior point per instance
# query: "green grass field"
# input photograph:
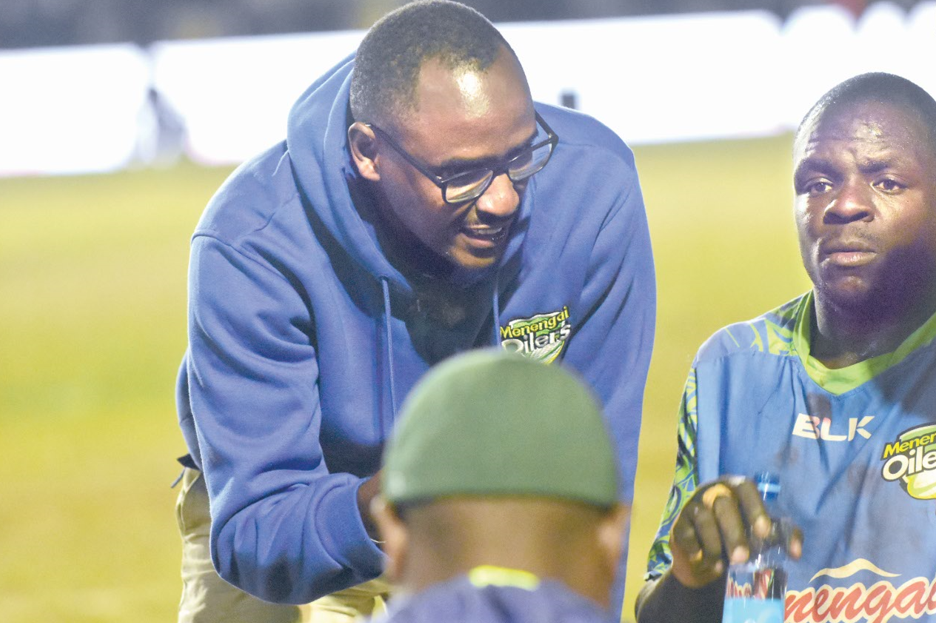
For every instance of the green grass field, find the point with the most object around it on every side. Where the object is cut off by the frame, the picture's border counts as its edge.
(92, 302)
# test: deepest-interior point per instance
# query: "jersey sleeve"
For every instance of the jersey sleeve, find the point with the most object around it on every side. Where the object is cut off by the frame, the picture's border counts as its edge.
(685, 481)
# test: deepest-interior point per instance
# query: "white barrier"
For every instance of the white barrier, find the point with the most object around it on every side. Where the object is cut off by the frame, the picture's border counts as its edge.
(655, 79)
(235, 94)
(652, 79)
(70, 110)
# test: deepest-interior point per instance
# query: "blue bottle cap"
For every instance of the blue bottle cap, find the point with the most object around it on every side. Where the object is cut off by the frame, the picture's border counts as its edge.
(768, 484)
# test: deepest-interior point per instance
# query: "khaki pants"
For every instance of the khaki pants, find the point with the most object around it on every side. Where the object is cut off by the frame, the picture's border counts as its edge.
(206, 598)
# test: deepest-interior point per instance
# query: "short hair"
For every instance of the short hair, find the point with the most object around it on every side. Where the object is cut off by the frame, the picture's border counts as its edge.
(883, 88)
(387, 63)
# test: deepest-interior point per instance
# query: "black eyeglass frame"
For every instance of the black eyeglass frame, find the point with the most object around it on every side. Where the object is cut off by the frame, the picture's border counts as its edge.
(496, 170)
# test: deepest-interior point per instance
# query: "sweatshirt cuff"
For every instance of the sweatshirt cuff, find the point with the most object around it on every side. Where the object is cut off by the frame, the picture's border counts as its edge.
(348, 542)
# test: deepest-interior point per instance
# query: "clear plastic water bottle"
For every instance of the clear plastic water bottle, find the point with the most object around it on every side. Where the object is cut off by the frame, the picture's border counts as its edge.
(756, 589)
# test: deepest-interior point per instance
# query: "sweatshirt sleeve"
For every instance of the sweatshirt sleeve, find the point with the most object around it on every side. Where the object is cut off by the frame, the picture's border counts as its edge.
(283, 527)
(612, 343)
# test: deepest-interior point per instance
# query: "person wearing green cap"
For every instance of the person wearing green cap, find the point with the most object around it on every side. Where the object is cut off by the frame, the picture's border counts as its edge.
(503, 509)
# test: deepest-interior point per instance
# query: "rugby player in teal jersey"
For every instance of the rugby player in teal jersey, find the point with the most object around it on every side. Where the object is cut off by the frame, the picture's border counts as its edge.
(834, 391)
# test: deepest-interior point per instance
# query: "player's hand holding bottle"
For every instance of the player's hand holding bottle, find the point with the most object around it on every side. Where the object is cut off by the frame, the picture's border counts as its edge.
(717, 527)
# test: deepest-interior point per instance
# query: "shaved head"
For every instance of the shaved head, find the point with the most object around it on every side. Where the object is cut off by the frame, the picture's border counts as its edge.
(880, 88)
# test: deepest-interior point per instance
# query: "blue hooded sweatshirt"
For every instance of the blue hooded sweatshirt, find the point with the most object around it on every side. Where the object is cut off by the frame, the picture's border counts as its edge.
(304, 339)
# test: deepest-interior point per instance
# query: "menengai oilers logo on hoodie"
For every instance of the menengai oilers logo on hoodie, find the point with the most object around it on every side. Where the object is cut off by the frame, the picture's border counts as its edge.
(539, 337)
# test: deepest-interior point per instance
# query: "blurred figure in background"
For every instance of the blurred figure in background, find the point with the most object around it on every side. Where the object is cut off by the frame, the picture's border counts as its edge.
(835, 391)
(161, 138)
(421, 205)
(506, 510)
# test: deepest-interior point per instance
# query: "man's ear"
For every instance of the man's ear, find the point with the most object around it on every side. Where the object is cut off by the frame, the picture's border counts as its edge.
(363, 144)
(393, 535)
(612, 535)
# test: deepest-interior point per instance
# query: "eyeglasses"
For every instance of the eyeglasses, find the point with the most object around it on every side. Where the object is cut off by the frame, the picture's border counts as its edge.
(471, 184)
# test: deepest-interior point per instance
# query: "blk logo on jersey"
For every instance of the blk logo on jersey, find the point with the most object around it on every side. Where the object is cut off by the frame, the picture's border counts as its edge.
(539, 337)
(911, 461)
(812, 427)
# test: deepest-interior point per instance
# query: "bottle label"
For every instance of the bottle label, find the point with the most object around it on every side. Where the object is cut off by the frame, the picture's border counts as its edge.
(747, 610)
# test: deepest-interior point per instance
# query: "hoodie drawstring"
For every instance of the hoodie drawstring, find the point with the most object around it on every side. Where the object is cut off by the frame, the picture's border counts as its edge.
(496, 310)
(385, 286)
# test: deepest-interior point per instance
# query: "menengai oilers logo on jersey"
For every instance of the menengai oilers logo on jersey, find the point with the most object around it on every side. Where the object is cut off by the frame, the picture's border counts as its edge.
(861, 592)
(812, 427)
(539, 337)
(911, 460)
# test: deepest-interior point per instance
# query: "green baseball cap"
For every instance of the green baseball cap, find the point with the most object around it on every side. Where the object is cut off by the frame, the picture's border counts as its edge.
(489, 423)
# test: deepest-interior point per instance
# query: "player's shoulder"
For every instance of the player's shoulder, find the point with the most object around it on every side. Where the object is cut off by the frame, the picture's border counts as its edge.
(770, 333)
(582, 132)
(461, 600)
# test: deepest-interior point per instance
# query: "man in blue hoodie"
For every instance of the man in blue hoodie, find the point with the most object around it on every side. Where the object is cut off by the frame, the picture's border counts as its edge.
(487, 515)
(421, 205)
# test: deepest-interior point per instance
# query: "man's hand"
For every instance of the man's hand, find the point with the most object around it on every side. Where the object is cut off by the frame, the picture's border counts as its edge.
(714, 529)
(367, 492)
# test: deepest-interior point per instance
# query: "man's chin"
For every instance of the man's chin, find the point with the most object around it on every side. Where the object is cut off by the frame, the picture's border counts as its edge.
(470, 258)
(471, 263)
(848, 295)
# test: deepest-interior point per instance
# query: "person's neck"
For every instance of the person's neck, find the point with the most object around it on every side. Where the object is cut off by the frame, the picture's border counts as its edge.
(573, 571)
(842, 336)
(411, 257)
(549, 540)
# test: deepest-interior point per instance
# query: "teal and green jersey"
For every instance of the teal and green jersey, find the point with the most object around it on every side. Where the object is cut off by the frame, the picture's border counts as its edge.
(855, 450)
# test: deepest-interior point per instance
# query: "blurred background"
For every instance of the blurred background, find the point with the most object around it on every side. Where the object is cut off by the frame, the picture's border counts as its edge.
(35, 23)
(120, 118)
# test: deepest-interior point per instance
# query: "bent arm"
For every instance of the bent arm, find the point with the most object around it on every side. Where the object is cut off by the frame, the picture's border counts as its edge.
(283, 527)
(663, 597)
